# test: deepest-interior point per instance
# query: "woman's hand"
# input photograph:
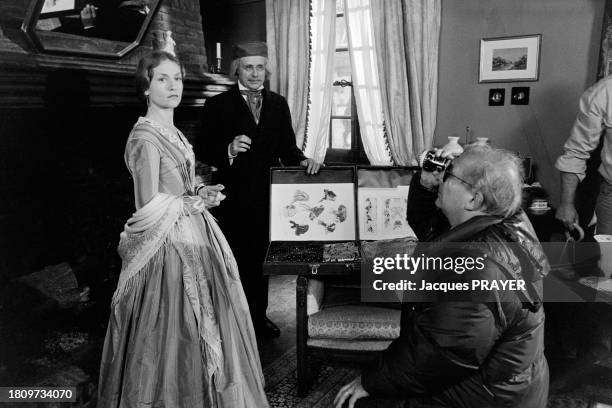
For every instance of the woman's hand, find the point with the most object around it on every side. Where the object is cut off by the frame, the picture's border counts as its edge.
(351, 391)
(212, 195)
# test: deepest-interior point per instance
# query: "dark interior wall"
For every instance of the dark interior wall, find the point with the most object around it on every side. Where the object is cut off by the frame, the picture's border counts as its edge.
(230, 22)
(64, 121)
(571, 33)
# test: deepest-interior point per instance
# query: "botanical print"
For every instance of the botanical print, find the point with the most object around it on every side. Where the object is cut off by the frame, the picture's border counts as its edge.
(394, 214)
(312, 212)
(370, 216)
(382, 213)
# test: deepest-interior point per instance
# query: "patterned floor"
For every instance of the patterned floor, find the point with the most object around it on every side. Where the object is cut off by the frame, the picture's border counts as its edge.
(281, 388)
(281, 384)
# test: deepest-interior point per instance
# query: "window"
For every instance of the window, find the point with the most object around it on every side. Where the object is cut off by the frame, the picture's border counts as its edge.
(344, 143)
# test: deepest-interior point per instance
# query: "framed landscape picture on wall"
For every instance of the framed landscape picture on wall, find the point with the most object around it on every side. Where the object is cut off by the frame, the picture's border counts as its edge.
(507, 59)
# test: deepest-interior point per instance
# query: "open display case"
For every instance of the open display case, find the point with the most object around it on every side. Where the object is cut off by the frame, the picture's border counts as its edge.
(318, 221)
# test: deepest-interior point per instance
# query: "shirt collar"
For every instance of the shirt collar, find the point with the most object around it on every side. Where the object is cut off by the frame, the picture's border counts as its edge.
(244, 88)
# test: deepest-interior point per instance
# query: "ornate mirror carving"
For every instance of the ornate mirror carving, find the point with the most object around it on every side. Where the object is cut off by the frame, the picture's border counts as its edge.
(101, 28)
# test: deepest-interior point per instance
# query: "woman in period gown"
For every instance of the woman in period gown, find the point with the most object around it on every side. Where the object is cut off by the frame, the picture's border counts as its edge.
(180, 333)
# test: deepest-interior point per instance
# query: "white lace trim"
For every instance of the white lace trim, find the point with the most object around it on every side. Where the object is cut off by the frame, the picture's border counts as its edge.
(176, 138)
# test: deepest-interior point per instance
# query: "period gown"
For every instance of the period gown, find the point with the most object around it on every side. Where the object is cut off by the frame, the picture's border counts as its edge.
(180, 333)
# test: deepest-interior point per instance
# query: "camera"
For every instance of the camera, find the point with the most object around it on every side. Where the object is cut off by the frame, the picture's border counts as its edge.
(430, 162)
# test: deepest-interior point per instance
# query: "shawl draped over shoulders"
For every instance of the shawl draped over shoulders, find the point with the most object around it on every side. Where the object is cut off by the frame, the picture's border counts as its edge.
(179, 333)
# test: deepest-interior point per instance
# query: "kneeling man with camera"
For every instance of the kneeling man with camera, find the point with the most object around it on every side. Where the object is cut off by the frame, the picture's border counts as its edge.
(472, 351)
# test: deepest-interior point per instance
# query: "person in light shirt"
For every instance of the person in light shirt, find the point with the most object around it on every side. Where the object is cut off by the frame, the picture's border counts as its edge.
(592, 126)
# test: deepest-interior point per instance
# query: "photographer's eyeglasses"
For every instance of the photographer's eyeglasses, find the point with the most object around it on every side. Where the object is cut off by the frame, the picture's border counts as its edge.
(449, 173)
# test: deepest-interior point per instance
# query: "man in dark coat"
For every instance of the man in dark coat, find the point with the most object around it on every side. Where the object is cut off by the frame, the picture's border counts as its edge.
(468, 349)
(247, 130)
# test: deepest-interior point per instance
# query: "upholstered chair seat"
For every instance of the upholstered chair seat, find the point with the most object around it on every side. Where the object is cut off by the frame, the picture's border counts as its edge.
(354, 322)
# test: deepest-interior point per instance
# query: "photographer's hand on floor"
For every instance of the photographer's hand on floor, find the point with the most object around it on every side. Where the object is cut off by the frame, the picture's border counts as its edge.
(351, 392)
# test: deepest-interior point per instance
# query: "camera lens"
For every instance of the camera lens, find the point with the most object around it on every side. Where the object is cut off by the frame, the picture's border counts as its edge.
(429, 166)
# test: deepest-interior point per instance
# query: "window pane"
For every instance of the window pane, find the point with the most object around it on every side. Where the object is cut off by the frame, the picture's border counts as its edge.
(342, 100)
(342, 66)
(341, 39)
(341, 134)
(339, 6)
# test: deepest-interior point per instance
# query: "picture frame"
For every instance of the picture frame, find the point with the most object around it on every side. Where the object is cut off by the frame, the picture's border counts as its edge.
(520, 95)
(54, 6)
(510, 59)
(497, 96)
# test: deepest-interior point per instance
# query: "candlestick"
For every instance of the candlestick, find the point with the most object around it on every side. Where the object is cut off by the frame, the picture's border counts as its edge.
(216, 67)
(219, 66)
(218, 50)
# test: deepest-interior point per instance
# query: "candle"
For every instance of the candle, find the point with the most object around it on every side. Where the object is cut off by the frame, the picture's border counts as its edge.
(218, 50)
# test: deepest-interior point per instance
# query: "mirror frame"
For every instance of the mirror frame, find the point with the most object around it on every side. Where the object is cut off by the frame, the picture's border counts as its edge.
(64, 43)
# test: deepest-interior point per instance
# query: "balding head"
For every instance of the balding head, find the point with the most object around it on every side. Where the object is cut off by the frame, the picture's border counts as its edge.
(494, 173)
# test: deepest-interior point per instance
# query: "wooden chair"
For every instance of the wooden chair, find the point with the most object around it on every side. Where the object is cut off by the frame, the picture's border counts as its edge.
(333, 326)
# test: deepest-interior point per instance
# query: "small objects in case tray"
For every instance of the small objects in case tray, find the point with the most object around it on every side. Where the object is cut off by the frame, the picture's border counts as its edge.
(301, 252)
(295, 252)
(340, 252)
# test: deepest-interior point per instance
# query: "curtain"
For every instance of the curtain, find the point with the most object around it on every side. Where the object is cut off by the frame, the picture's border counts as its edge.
(322, 48)
(287, 38)
(366, 80)
(407, 34)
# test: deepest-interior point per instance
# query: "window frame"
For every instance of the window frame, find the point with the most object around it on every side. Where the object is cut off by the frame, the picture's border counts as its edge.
(355, 153)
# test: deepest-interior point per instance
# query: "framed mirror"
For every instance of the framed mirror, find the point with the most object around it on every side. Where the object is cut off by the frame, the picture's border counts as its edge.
(100, 28)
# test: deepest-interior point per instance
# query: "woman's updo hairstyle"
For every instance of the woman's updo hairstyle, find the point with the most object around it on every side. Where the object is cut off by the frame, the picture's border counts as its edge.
(146, 65)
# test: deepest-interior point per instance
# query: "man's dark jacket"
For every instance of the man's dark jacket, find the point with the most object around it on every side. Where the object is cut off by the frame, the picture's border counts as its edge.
(226, 116)
(244, 215)
(471, 353)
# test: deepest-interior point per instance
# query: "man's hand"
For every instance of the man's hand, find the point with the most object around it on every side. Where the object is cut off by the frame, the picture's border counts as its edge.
(353, 390)
(566, 213)
(212, 195)
(88, 15)
(240, 144)
(440, 152)
(312, 167)
(430, 180)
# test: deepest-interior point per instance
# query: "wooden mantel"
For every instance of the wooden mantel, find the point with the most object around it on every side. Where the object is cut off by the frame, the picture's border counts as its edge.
(25, 72)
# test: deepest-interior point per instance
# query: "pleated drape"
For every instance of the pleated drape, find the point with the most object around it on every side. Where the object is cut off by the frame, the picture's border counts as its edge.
(287, 38)
(407, 36)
